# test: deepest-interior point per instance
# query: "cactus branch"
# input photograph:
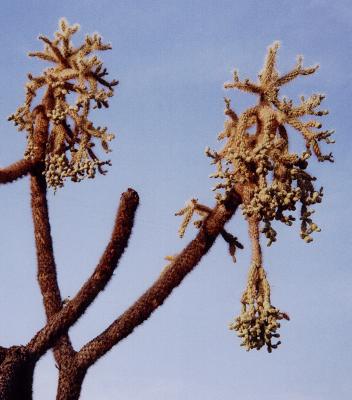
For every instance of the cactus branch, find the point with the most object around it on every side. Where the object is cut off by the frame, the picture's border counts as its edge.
(16, 170)
(74, 309)
(155, 296)
(47, 277)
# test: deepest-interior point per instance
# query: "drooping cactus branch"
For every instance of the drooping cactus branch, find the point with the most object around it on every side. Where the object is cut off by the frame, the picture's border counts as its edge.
(258, 322)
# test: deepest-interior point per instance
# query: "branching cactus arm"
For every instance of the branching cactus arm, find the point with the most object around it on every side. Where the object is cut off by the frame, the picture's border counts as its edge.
(75, 308)
(173, 275)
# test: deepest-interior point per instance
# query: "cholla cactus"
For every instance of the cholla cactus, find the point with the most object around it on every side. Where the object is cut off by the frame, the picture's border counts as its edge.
(270, 179)
(68, 150)
(257, 170)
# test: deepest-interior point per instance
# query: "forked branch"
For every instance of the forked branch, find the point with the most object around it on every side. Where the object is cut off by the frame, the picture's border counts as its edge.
(75, 308)
(16, 368)
(155, 296)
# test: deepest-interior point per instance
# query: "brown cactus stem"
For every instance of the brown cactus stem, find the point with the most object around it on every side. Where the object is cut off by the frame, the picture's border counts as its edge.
(74, 309)
(46, 267)
(71, 381)
(155, 296)
(16, 374)
(23, 167)
(16, 170)
(41, 131)
(46, 273)
(254, 235)
(16, 370)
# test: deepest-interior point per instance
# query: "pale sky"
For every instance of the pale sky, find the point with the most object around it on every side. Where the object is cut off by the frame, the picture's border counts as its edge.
(172, 58)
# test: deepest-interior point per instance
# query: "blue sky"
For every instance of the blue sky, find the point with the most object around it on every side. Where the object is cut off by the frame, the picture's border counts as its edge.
(172, 58)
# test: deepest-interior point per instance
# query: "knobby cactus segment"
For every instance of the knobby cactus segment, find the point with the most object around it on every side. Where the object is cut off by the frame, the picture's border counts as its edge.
(73, 85)
(272, 181)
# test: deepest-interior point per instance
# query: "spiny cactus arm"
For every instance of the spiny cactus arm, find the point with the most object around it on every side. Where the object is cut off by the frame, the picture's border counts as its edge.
(307, 107)
(16, 170)
(247, 119)
(245, 86)
(57, 56)
(46, 273)
(155, 296)
(269, 70)
(230, 112)
(74, 309)
(313, 137)
(295, 72)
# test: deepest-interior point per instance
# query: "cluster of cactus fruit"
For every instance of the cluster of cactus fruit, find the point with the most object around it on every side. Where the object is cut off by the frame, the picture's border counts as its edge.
(272, 181)
(78, 74)
(258, 323)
